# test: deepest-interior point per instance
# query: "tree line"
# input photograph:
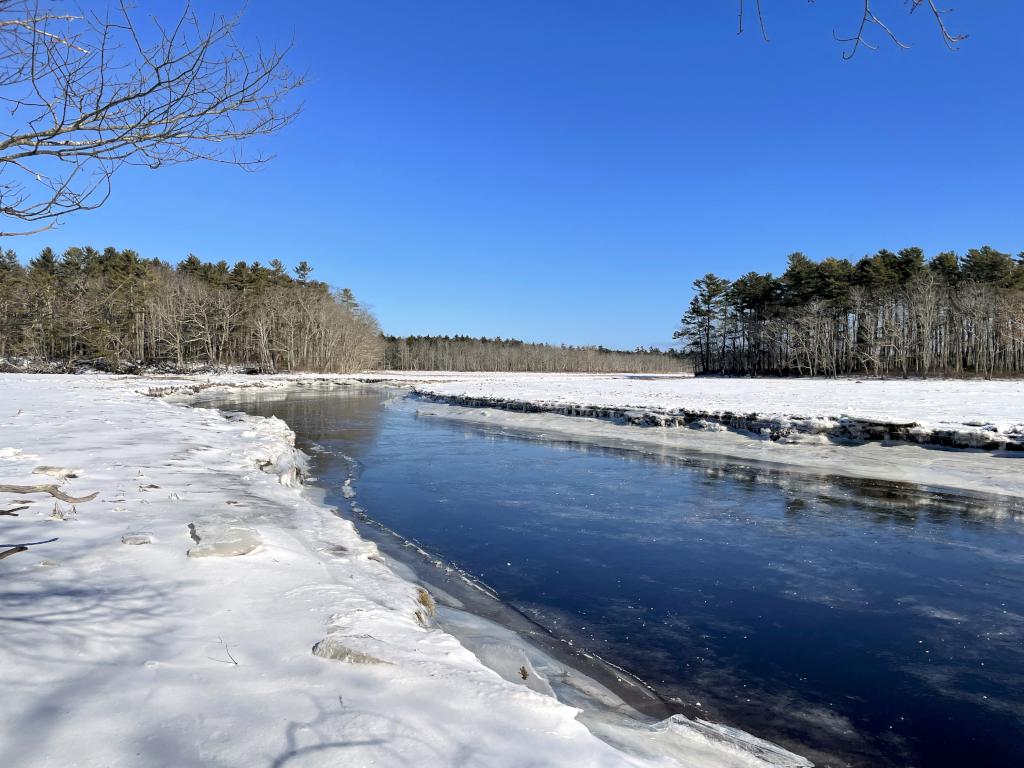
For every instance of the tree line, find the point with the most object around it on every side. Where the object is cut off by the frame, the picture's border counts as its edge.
(114, 309)
(891, 313)
(466, 353)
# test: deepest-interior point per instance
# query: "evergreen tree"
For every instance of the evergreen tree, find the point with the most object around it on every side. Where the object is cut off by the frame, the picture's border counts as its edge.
(703, 324)
(987, 265)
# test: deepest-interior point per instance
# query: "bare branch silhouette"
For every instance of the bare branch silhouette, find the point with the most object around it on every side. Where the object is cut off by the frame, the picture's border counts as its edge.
(85, 95)
(870, 20)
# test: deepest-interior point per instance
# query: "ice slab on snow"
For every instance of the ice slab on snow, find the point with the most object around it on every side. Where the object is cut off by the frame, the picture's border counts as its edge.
(135, 539)
(223, 538)
(332, 647)
(61, 473)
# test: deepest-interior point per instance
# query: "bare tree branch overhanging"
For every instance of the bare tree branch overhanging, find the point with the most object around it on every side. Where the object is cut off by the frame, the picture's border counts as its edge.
(869, 20)
(84, 94)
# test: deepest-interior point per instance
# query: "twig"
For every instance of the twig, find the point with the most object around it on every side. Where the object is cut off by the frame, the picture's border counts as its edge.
(13, 511)
(227, 650)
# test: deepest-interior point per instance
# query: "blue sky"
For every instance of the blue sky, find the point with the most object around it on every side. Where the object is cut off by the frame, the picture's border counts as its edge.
(561, 171)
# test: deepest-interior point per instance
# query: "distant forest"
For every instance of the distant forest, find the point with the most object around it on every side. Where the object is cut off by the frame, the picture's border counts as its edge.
(114, 309)
(465, 353)
(887, 314)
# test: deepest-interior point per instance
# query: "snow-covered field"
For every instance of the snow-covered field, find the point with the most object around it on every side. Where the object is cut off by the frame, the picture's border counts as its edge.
(930, 402)
(174, 619)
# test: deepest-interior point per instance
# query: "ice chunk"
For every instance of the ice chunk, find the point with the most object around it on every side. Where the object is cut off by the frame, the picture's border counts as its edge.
(61, 473)
(331, 647)
(137, 538)
(223, 538)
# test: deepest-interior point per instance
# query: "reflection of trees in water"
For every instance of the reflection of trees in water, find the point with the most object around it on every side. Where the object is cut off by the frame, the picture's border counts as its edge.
(349, 415)
(888, 501)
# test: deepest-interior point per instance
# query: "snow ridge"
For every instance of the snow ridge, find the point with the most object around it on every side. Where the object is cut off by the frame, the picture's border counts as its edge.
(772, 426)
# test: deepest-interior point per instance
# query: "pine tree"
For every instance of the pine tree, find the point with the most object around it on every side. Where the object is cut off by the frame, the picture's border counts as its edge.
(704, 320)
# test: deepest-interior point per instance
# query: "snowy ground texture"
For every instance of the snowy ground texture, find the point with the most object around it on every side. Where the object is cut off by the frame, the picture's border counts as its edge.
(201, 610)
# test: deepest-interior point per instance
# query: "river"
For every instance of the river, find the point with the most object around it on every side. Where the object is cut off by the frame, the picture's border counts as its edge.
(856, 623)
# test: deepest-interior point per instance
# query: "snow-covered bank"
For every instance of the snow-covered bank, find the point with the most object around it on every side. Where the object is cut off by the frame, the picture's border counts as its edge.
(173, 622)
(947, 413)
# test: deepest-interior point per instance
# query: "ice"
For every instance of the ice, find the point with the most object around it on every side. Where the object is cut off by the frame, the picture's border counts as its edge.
(511, 663)
(223, 538)
(332, 647)
(136, 539)
(60, 473)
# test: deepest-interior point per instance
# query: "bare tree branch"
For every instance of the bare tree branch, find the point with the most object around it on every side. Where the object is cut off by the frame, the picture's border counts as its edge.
(868, 20)
(88, 94)
(53, 490)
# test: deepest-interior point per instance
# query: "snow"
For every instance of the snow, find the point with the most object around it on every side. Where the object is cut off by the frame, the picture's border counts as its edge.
(142, 655)
(994, 406)
(934, 403)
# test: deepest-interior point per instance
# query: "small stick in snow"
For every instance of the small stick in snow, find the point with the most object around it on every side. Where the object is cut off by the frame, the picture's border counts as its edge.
(13, 511)
(227, 650)
(53, 490)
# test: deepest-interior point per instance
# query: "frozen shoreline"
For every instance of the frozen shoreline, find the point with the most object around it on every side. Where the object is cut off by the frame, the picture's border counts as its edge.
(123, 652)
(987, 415)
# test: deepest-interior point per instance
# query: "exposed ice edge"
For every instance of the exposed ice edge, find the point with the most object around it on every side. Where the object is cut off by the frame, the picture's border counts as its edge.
(223, 538)
(716, 733)
(673, 737)
(773, 427)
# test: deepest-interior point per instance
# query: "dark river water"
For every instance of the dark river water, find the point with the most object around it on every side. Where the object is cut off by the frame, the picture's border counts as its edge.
(855, 623)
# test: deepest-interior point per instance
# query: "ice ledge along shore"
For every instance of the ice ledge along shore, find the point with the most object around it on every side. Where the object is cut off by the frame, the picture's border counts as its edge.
(985, 415)
(772, 426)
(200, 610)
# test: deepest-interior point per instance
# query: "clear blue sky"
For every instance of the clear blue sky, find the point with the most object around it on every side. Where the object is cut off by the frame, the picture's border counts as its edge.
(561, 171)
